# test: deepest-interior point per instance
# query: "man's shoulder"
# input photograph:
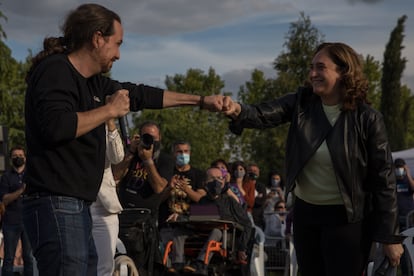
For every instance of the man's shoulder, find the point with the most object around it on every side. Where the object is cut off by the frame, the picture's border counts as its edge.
(59, 59)
(56, 66)
(8, 173)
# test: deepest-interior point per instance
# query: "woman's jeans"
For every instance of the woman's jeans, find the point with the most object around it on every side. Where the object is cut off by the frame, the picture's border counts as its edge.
(12, 233)
(60, 232)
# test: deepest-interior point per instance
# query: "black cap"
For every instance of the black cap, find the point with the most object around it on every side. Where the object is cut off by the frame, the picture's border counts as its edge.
(399, 162)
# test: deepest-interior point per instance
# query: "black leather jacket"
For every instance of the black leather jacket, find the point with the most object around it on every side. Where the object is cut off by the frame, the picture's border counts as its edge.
(358, 146)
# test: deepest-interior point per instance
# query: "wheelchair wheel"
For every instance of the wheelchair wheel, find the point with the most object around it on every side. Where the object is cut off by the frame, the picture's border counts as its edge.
(124, 266)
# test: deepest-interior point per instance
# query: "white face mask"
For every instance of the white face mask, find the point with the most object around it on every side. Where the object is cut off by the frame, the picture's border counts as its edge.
(239, 174)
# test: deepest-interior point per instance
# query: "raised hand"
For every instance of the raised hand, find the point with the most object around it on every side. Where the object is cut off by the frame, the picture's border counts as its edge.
(213, 103)
(119, 103)
(231, 108)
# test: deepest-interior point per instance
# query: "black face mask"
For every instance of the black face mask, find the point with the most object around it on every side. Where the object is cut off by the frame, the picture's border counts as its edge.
(252, 176)
(18, 162)
(213, 188)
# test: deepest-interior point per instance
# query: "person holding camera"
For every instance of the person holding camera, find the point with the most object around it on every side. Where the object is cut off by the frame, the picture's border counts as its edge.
(144, 174)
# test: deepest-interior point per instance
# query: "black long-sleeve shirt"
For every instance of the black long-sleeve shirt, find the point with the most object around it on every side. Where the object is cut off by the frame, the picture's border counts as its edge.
(58, 162)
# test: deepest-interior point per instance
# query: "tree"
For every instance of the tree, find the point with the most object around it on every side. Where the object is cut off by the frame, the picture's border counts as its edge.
(407, 115)
(12, 89)
(2, 32)
(267, 147)
(391, 100)
(205, 131)
(372, 71)
(301, 41)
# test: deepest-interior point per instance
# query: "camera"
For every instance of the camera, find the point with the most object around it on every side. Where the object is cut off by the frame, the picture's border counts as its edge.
(147, 140)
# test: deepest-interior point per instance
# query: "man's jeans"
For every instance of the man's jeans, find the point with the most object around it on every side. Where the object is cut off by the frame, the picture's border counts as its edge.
(12, 233)
(60, 231)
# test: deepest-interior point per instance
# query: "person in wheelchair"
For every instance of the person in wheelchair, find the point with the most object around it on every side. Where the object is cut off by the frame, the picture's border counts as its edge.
(228, 209)
(144, 174)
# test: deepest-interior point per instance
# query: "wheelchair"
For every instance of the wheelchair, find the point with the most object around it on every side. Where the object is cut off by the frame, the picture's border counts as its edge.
(224, 253)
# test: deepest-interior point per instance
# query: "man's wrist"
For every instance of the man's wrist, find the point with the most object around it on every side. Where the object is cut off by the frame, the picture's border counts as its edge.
(201, 102)
(148, 162)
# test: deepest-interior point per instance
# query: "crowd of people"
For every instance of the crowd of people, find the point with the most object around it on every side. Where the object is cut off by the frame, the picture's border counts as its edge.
(339, 176)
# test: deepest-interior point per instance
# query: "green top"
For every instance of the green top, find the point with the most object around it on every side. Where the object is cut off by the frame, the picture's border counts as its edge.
(317, 183)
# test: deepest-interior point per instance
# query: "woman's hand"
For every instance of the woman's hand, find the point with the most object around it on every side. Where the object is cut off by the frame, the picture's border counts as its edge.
(231, 108)
(393, 252)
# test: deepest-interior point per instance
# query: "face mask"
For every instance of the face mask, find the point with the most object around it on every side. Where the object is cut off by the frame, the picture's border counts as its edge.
(224, 172)
(275, 183)
(252, 176)
(213, 188)
(182, 159)
(18, 162)
(239, 174)
(399, 172)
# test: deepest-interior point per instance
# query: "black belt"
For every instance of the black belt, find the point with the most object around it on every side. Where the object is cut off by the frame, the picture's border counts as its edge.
(37, 195)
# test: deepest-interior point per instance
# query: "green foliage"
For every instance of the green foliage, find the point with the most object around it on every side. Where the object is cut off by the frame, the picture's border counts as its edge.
(205, 131)
(12, 89)
(301, 42)
(267, 147)
(407, 114)
(392, 99)
(372, 71)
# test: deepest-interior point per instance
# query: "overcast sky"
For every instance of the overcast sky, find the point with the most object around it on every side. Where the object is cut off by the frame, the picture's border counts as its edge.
(167, 37)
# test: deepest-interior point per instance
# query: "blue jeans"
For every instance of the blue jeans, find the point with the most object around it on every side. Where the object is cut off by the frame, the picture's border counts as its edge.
(60, 231)
(12, 233)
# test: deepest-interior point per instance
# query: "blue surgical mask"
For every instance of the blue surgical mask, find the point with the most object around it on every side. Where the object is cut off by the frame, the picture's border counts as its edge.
(182, 159)
(275, 183)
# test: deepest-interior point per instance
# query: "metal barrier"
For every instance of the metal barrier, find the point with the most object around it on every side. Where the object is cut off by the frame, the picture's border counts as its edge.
(278, 254)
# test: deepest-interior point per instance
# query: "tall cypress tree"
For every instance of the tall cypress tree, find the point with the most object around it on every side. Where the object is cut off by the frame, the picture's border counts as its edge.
(391, 99)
